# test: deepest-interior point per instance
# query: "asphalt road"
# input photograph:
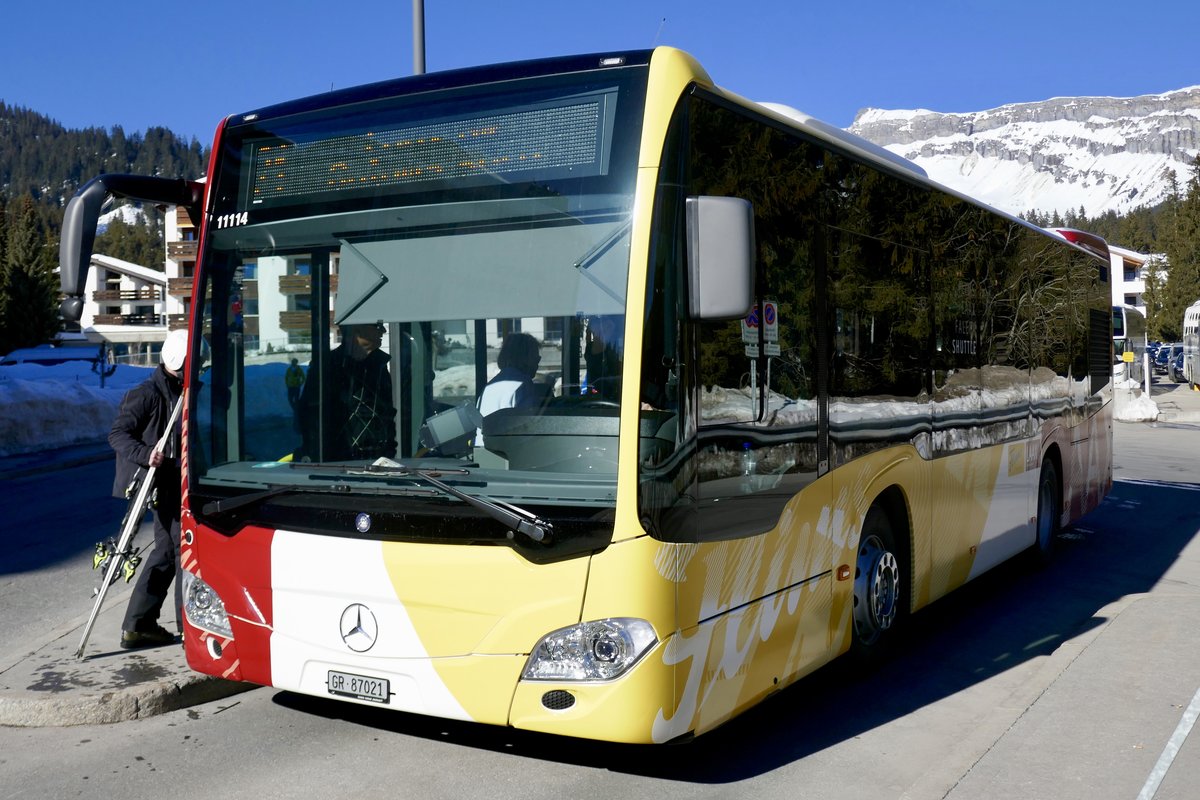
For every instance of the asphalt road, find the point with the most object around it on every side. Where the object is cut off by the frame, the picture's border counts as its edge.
(50, 523)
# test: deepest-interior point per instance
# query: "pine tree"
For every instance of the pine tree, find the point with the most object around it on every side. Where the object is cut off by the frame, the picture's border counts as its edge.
(1154, 270)
(4, 347)
(3, 244)
(28, 304)
(1183, 255)
(139, 243)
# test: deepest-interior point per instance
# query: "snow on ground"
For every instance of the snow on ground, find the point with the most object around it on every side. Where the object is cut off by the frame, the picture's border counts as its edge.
(48, 407)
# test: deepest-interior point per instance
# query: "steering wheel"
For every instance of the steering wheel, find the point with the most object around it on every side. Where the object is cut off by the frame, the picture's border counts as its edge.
(598, 404)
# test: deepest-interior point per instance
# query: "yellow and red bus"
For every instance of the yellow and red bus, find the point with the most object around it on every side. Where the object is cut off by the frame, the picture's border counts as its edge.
(788, 391)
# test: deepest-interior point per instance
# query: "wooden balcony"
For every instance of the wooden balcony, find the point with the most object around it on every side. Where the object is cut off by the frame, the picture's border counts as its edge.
(129, 319)
(298, 321)
(295, 320)
(179, 287)
(302, 284)
(182, 218)
(176, 321)
(182, 251)
(150, 293)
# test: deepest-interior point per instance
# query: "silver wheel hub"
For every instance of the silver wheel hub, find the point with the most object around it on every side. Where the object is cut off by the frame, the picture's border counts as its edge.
(876, 590)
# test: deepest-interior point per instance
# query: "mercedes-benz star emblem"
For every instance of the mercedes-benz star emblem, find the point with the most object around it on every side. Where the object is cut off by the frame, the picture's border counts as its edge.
(358, 628)
(362, 523)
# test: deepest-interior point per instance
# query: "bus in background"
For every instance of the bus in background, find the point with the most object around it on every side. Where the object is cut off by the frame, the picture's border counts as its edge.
(1191, 345)
(1129, 343)
(783, 392)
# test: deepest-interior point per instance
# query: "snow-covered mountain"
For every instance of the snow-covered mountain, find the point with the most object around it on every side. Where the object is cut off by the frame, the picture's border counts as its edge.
(127, 213)
(1101, 153)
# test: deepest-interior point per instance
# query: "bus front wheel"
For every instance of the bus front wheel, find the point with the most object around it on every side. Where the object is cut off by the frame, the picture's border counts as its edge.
(879, 580)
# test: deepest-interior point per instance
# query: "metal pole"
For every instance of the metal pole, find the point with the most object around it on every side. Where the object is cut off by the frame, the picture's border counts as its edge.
(418, 37)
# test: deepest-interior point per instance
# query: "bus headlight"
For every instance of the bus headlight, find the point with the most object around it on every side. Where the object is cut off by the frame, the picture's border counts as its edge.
(590, 651)
(204, 607)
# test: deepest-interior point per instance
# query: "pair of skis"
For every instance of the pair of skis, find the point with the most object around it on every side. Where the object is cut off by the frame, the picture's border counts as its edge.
(122, 557)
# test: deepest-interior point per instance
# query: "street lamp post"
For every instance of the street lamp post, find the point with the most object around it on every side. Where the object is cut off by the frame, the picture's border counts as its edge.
(418, 37)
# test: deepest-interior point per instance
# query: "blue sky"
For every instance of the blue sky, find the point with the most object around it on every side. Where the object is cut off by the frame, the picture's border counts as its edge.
(142, 64)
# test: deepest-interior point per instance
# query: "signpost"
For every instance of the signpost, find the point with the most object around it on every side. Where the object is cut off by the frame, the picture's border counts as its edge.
(765, 322)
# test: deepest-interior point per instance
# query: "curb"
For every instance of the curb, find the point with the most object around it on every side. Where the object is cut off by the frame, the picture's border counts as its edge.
(146, 700)
(1187, 417)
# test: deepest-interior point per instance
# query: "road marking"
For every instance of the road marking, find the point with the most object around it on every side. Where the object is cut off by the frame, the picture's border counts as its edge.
(1172, 749)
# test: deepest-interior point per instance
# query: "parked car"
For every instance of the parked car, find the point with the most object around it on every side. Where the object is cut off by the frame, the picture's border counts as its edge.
(1165, 356)
(1175, 368)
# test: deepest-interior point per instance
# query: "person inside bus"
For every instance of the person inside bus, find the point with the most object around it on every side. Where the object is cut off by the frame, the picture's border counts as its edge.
(362, 416)
(602, 360)
(293, 379)
(513, 386)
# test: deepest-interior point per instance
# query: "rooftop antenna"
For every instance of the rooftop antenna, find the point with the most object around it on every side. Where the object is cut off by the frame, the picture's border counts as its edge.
(656, 35)
(418, 37)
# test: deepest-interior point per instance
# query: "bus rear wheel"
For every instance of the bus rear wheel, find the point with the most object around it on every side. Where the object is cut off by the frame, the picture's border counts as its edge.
(1049, 512)
(879, 582)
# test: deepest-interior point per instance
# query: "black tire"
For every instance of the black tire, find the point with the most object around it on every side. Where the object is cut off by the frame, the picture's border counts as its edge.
(880, 589)
(1049, 512)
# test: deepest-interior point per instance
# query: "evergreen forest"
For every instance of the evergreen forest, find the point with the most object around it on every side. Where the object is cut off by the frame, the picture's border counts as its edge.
(1170, 232)
(42, 165)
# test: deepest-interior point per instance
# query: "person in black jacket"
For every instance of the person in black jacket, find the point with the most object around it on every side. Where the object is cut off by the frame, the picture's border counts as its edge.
(362, 416)
(140, 423)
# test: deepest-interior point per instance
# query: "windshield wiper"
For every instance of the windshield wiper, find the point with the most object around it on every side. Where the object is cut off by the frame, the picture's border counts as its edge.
(516, 518)
(237, 501)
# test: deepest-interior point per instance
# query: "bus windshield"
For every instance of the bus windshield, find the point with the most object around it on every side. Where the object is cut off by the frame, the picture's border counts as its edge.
(435, 281)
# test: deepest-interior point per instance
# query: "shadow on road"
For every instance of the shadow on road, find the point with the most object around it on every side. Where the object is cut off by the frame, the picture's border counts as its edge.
(1007, 617)
(52, 517)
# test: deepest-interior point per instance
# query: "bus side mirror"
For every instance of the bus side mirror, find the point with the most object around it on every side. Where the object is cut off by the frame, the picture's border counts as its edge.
(720, 256)
(83, 212)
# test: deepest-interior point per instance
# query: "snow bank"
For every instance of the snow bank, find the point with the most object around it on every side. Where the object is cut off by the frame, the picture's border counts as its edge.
(1139, 408)
(47, 407)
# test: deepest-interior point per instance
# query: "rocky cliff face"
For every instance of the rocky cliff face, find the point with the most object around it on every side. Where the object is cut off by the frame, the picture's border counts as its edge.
(1101, 153)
